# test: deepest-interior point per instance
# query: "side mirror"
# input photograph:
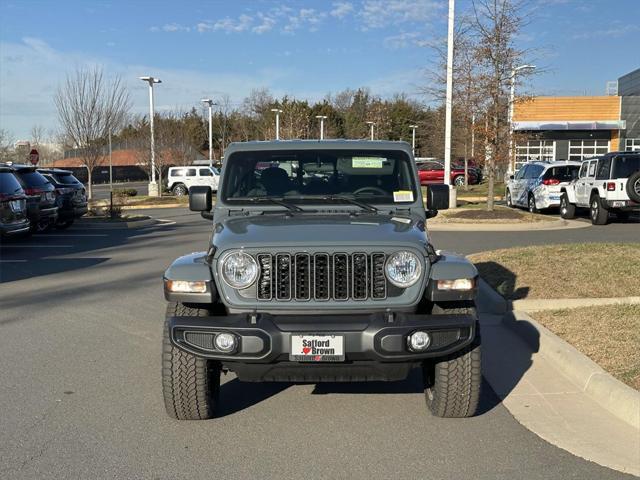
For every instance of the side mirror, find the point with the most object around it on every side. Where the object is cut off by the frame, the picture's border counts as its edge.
(437, 197)
(511, 177)
(200, 199)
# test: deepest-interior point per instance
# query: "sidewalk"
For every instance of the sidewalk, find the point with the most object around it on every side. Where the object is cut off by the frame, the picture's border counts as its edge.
(548, 403)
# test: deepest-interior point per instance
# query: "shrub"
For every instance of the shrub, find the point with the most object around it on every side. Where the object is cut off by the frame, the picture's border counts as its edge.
(125, 192)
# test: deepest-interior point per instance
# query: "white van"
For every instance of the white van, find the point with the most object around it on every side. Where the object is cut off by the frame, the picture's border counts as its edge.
(181, 179)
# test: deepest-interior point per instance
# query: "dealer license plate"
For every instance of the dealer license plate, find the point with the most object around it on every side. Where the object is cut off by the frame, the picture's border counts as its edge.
(317, 348)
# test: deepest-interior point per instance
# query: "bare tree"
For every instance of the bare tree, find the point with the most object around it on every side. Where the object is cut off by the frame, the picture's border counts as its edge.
(89, 106)
(6, 146)
(495, 24)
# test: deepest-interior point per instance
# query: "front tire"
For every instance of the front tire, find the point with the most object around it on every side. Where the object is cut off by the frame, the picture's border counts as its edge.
(64, 225)
(599, 215)
(180, 190)
(459, 181)
(567, 209)
(190, 384)
(509, 201)
(452, 383)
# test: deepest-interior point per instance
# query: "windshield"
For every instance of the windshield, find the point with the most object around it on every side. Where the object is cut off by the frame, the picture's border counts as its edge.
(33, 179)
(304, 176)
(624, 166)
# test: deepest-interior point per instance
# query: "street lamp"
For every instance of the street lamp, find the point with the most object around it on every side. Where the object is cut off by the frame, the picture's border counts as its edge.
(277, 111)
(322, 119)
(514, 72)
(371, 124)
(153, 186)
(413, 139)
(210, 103)
(448, 104)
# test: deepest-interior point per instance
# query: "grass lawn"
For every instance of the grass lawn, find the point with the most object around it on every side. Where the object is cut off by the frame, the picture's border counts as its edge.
(609, 335)
(477, 213)
(577, 270)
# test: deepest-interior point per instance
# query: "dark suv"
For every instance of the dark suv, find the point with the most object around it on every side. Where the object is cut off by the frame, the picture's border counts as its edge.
(71, 195)
(41, 197)
(13, 205)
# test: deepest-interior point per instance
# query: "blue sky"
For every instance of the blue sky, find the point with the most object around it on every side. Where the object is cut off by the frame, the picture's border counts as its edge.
(303, 48)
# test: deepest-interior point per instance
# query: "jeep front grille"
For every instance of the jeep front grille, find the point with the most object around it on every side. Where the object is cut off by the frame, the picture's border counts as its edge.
(320, 276)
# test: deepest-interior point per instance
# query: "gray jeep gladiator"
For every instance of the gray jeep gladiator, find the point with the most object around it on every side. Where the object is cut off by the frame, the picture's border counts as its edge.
(320, 269)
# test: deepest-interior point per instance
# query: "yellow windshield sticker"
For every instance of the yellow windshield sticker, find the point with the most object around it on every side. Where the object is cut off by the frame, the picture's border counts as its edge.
(366, 162)
(403, 196)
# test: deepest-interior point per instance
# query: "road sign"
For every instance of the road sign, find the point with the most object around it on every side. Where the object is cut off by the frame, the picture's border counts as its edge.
(34, 156)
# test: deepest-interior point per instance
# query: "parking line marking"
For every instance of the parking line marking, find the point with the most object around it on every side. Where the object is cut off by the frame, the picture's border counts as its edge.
(36, 246)
(72, 235)
(12, 261)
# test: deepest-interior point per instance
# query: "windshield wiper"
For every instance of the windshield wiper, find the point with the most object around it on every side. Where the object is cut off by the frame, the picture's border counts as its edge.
(277, 201)
(352, 201)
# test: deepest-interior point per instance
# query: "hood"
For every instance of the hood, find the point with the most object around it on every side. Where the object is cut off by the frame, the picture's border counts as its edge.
(314, 230)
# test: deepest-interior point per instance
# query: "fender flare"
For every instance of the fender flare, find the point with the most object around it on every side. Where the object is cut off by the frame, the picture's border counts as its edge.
(193, 268)
(451, 266)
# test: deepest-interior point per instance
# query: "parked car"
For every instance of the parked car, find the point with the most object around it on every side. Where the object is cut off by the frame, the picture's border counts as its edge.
(181, 179)
(320, 280)
(537, 185)
(41, 197)
(433, 172)
(607, 184)
(13, 205)
(472, 167)
(71, 195)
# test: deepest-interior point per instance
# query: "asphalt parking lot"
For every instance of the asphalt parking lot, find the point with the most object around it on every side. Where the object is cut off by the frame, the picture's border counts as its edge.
(80, 396)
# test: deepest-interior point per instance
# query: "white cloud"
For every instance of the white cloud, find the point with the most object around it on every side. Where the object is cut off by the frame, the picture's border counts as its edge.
(308, 18)
(227, 24)
(170, 27)
(32, 71)
(341, 9)
(266, 25)
(402, 40)
(615, 31)
(382, 13)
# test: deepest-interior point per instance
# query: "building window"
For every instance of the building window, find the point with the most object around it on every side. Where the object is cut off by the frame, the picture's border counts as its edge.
(632, 145)
(580, 149)
(534, 151)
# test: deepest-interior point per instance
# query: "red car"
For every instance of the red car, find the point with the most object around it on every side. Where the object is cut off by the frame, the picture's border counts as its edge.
(433, 172)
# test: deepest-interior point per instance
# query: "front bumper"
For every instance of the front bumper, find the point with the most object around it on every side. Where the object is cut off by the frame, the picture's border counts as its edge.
(368, 339)
(15, 228)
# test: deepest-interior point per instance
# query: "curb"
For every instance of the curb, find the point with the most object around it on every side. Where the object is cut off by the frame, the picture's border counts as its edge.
(119, 225)
(160, 205)
(538, 305)
(614, 396)
(507, 227)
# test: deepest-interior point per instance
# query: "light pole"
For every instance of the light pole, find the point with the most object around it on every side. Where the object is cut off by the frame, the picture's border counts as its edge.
(209, 102)
(371, 124)
(322, 119)
(277, 111)
(153, 186)
(413, 139)
(512, 96)
(447, 128)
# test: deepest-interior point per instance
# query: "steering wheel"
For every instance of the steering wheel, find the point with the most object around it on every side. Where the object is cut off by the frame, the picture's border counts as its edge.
(370, 189)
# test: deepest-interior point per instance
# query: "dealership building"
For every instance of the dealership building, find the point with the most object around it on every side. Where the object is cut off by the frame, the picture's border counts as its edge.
(574, 128)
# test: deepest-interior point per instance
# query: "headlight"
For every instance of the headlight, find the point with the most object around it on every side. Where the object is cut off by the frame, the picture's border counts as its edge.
(403, 269)
(239, 270)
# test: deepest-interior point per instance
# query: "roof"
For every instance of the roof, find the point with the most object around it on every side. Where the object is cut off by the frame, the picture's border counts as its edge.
(19, 166)
(340, 144)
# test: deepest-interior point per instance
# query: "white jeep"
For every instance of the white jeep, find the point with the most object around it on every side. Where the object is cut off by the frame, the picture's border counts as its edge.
(181, 179)
(607, 184)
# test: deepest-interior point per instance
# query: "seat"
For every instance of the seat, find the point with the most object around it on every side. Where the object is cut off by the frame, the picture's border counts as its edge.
(275, 181)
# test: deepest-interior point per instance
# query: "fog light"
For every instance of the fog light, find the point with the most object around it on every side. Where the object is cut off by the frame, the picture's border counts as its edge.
(225, 342)
(418, 341)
